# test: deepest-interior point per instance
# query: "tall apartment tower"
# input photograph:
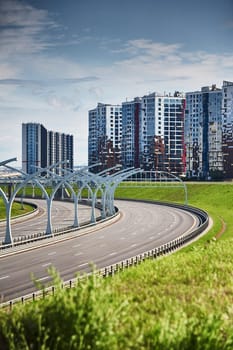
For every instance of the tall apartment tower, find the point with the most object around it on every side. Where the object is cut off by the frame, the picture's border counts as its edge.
(163, 132)
(60, 149)
(203, 132)
(131, 133)
(104, 136)
(43, 148)
(34, 147)
(153, 133)
(227, 128)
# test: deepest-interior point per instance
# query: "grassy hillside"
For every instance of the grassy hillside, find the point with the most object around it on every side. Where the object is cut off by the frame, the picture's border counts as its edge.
(216, 199)
(181, 301)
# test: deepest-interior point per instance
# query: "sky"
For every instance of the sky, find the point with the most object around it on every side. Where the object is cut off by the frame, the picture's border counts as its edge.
(59, 58)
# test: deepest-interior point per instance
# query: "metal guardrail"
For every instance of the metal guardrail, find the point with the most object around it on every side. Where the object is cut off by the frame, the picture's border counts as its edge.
(110, 270)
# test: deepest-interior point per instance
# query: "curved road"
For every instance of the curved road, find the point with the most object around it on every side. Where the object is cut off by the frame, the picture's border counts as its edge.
(142, 227)
(62, 216)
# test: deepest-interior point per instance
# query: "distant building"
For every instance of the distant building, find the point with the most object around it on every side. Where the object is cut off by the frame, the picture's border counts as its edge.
(43, 148)
(203, 132)
(227, 128)
(153, 133)
(60, 149)
(104, 136)
(163, 133)
(130, 144)
(188, 135)
(147, 132)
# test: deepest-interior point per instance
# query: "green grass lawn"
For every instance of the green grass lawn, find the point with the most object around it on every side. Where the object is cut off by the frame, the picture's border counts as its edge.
(182, 301)
(17, 209)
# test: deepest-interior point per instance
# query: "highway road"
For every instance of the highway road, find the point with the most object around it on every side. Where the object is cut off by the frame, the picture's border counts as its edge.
(142, 227)
(62, 216)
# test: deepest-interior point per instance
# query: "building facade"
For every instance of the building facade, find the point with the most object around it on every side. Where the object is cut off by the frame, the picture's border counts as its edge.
(188, 135)
(153, 133)
(203, 132)
(104, 136)
(227, 128)
(163, 133)
(42, 148)
(147, 132)
(131, 132)
(60, 149)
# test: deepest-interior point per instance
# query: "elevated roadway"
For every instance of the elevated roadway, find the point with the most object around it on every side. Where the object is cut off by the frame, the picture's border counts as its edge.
(142, 226)
(62, 216)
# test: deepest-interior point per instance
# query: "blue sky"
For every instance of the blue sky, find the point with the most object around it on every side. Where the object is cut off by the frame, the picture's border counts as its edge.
(58, 59)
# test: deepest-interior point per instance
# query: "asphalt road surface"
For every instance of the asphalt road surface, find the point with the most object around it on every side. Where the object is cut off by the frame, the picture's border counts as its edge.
(62, 216)
(142, 227)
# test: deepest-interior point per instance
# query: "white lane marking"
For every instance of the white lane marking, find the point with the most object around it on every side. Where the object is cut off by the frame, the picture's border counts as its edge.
(78, 254)
(133, 245)
(42, 278)
(52, 253)
(84, 264)
(4, 277)
(113, 253)
(133, 234)
(152, 237)
(122, 238)
(76, 245)
(47, 264)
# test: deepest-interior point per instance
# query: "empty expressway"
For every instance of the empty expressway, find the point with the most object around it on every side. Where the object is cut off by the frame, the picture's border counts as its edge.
(141, 227)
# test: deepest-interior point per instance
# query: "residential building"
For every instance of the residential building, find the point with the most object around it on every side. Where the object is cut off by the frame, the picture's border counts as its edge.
(42, 148)
(34, 147)
(60, 149)
(162, 138)
(104, 136)
(131, 133)
(203, 132)
(147, 132)
(227, 128)
(153, 133)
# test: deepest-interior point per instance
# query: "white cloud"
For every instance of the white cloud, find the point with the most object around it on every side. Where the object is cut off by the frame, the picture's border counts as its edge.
(23, 28)
(159, 67)
(60, 103)
(58, 92)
